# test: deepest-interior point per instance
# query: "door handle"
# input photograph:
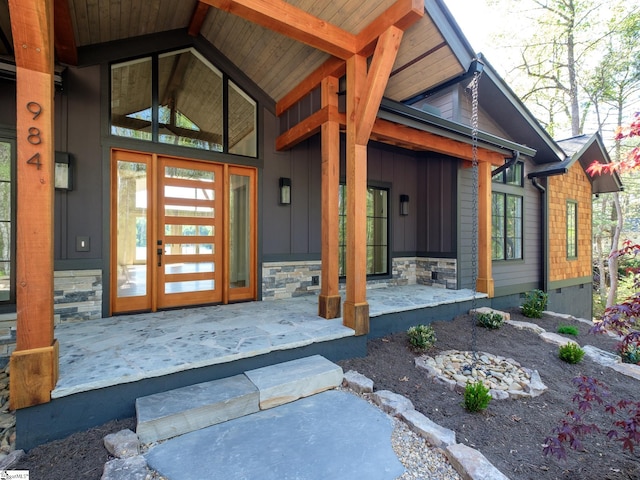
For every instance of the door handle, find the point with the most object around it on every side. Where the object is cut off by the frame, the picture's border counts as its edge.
(159, 251)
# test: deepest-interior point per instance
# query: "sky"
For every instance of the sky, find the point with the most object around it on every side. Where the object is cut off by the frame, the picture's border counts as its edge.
(478, 21)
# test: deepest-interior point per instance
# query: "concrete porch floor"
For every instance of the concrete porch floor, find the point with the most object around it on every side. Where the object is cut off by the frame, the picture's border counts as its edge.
(129, 348)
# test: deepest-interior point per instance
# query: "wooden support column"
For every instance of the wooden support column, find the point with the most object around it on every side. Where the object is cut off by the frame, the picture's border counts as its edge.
(34, 364)
(356, 308)
(329, 299)
(484, 282)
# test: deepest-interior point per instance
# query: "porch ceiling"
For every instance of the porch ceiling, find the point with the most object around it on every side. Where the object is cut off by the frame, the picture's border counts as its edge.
(275, 62)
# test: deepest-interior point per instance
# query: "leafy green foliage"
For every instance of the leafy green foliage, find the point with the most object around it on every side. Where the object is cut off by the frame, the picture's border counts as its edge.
(535, 303)
(422, 337)
(571, 353)
(476, 397)
(568, 330)
(489, 320)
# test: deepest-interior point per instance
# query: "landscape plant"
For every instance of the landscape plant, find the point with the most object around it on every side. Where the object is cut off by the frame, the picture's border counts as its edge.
(568, 330)
(622, 319)
(489, 320)
(476, 397)
(571, 353)
(534, 304)
(422, 337)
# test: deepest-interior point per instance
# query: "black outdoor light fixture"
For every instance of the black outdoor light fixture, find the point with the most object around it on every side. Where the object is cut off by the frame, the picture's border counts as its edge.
(285, 191)
(63, 173)
(404, 205)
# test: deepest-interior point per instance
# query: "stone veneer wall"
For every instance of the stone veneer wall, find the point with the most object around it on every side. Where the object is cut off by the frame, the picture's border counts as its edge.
(77, 295)
(291, 279)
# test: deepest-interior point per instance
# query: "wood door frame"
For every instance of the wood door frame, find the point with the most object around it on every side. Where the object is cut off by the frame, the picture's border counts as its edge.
(150, 301)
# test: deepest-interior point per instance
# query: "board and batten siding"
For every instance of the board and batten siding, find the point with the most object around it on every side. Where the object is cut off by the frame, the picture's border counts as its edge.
(572, 186)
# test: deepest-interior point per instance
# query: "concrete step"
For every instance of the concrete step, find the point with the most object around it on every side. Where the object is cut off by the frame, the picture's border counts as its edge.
(176, 412)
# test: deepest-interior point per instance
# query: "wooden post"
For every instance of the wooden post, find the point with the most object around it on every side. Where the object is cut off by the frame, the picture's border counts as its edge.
(484, 282)
(34, 364)
(356, 308)
(329, 298)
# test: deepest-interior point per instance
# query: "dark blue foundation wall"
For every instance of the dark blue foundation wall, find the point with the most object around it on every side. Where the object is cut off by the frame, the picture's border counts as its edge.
(575, 300)
(63, 416)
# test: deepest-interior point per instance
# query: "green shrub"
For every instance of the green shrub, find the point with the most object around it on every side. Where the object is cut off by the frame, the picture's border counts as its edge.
(421, 337)
(630, 354)
(535, 303)
(489, 320)
(568, 330)
(571, 353)
(476, 397)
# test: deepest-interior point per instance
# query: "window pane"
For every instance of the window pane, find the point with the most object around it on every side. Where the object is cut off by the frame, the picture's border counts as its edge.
(132, 229)
(242, 123)
(6, 246)
(239, 231)
(497, 226)
(513, 174)
(190, 98)
(131, 99)
(513, 245)
(572, 237)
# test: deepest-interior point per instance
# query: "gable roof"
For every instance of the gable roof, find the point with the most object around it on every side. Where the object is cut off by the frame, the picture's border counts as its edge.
(584, 149)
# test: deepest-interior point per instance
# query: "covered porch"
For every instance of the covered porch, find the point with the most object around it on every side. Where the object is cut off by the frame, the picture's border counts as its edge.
(106, 364)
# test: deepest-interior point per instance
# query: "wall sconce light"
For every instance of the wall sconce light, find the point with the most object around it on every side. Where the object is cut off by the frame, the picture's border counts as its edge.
(63, 173)
(285, 191)
(404, 205)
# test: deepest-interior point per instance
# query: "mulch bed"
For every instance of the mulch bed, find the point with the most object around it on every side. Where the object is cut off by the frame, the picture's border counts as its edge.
(510, 433)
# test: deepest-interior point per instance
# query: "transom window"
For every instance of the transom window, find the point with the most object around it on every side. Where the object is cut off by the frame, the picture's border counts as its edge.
(514, 175)
(377, 231)
(572, 229)
(180, 98)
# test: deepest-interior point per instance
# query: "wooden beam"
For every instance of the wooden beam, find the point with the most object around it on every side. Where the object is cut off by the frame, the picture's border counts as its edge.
(356, 308)
(329, 298)
(484, 281)
(307, 128)
(377, 79)
(414, 139)
(197, 18)
(284, 18)
(36, 362)
(32, 30)
(65, 40)
(334, 67)
(402, 14)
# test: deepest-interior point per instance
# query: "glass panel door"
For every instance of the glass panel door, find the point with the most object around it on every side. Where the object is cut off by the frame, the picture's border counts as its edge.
(189, 243)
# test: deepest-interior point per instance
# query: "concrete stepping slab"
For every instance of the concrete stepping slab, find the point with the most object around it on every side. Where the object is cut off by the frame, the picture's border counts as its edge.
(285, 382)
(175, 412)
(333, 435)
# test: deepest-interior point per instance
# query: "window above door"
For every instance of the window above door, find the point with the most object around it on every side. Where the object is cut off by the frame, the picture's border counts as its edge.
(180, 98)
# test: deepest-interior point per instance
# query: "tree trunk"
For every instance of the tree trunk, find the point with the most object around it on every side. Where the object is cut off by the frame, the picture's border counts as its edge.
(613, 260)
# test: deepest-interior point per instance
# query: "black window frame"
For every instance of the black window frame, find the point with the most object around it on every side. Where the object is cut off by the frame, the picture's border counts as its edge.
(155, 104)
(8, 305)
(342, 217)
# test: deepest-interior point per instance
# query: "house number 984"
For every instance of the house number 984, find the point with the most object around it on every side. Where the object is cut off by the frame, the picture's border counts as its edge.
(34, 135)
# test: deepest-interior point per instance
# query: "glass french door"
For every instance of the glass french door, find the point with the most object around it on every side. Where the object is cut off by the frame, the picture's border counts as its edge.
(183, 232)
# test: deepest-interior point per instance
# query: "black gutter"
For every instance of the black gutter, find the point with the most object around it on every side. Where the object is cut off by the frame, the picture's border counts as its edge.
(543, 231)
